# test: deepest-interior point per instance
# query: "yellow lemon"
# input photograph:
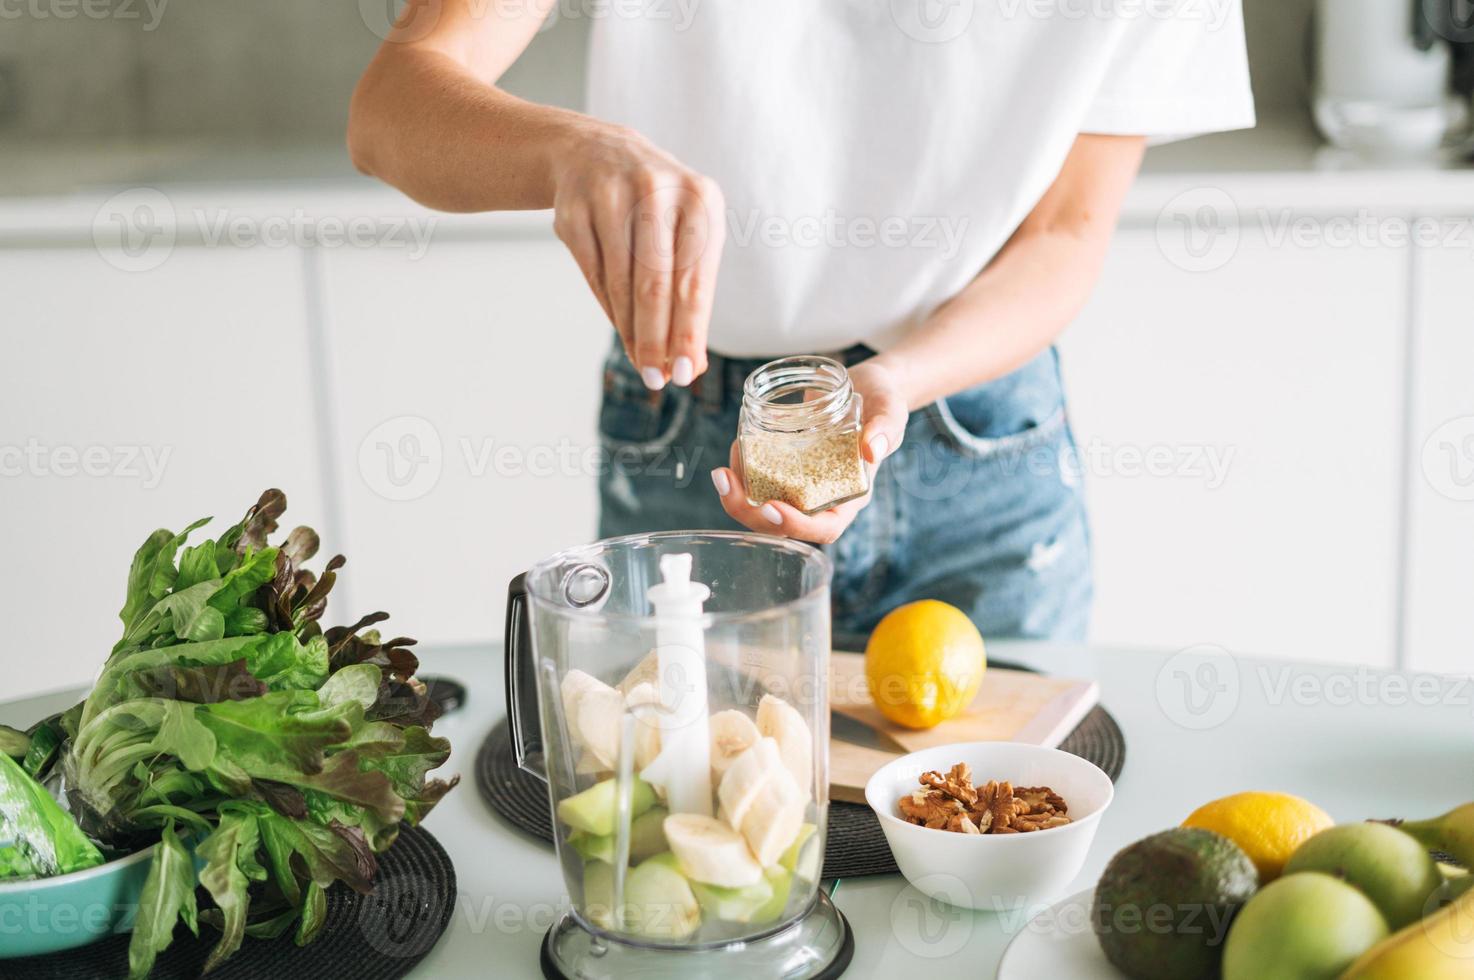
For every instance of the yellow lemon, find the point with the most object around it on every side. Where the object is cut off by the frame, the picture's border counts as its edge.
(1268, 826)
(924, 663)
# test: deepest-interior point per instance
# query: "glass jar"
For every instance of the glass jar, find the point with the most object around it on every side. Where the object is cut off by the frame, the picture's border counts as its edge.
(799, 435)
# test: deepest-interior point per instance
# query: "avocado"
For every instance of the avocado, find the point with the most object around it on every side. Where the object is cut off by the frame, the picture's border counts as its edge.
(1164, 904)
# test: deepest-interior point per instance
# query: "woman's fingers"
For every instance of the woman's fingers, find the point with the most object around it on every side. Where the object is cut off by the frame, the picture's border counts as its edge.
(776, 517)
(657, 229)
(653, 230)
(616, 254)
(700, 235)
(884, 425)
(576, 230)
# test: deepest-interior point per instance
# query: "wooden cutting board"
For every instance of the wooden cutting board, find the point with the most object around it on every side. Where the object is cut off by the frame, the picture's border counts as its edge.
(1011, 706)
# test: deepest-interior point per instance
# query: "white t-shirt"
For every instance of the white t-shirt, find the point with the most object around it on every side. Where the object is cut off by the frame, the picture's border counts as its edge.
(876, 154)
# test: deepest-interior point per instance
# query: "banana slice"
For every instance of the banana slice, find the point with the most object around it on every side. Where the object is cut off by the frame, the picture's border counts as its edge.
(745, 777)
(781, 722)
(710, 851)
(599, 714)
(587, 765)
(647, 723)
(647, 671)
(576, 684)
(732, 733)
(774, 819)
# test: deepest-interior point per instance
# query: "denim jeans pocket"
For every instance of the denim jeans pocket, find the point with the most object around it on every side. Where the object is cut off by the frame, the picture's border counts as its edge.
(1005, 417)
(979, 446)
(634, 420)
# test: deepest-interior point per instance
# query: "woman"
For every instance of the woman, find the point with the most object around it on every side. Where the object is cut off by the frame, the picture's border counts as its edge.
(924, 189)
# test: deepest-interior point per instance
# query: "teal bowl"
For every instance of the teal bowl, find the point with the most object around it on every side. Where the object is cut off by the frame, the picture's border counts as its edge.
(47, 915)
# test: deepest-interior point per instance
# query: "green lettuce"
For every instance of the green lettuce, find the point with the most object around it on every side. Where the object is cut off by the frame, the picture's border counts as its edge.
(288, 754)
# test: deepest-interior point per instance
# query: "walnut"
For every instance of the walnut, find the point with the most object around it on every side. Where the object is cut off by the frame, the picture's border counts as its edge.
(929, 809)
(954, 804)
(960, 824)
(1041, 799)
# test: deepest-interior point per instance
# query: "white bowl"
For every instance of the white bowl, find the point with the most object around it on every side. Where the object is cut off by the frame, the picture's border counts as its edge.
(993, 872)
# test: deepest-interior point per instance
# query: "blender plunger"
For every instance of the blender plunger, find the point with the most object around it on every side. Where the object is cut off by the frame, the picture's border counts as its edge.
(594, 611)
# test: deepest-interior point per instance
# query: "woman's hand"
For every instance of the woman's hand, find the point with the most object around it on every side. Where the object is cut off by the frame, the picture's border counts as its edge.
(883, 424)
(647, 232)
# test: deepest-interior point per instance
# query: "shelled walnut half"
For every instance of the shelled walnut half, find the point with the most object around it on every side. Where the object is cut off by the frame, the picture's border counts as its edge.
(953, 803)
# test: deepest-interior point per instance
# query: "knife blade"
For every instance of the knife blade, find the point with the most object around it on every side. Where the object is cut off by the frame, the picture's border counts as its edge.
(856, 732)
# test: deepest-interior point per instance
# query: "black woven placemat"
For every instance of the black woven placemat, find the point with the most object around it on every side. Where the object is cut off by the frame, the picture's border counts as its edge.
(855, 846)
(366, 937)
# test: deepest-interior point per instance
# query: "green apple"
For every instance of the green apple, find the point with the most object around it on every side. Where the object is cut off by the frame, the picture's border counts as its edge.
(1388, 866)
(1306, 926)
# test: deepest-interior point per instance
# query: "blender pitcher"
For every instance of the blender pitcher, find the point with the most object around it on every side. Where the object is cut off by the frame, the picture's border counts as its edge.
(672, 691)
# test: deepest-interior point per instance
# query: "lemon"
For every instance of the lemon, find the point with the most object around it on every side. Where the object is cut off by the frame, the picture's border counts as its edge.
(924, 663)
(1268, 826)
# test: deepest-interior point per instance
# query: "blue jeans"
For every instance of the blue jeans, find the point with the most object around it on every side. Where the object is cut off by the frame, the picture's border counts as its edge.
(982, 506)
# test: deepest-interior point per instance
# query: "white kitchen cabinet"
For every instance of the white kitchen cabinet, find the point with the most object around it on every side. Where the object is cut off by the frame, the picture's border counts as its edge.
(131, 401)
(1439, 632)
(467, 384)
(1284, 363)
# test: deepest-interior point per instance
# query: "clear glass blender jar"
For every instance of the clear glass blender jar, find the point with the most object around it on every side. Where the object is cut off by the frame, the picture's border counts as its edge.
(672, 690)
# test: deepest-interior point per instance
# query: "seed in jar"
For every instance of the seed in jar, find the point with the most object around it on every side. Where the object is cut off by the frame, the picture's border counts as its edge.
(808, 472)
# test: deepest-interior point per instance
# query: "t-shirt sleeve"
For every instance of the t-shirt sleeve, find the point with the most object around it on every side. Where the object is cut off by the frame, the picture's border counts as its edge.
(1179, 70)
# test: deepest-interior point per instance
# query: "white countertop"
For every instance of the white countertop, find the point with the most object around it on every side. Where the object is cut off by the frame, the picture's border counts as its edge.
(53, 192)
(1360, 743)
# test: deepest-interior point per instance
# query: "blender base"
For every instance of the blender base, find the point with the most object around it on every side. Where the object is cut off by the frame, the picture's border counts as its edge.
(818, 946)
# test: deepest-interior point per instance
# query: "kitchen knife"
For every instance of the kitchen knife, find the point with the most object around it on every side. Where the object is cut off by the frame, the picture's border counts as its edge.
(856, 732)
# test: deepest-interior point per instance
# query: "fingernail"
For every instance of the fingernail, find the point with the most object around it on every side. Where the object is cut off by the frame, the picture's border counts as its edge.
(652, 377)
(723, 486)
(771, 513)
(682, 371)
(878, 445)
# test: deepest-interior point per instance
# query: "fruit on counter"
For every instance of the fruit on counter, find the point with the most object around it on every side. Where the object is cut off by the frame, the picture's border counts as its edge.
(1268, 826)
(780, 721)
(659, 902)
(1455, 883)
(593, 811)
(1440, 947)
(647, 838)
(1452, 833)
(710, 851)
(734, 904)
(732, 733)
(1306, 926)
(1163, 906)
(1389, 867)
(924, 663)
